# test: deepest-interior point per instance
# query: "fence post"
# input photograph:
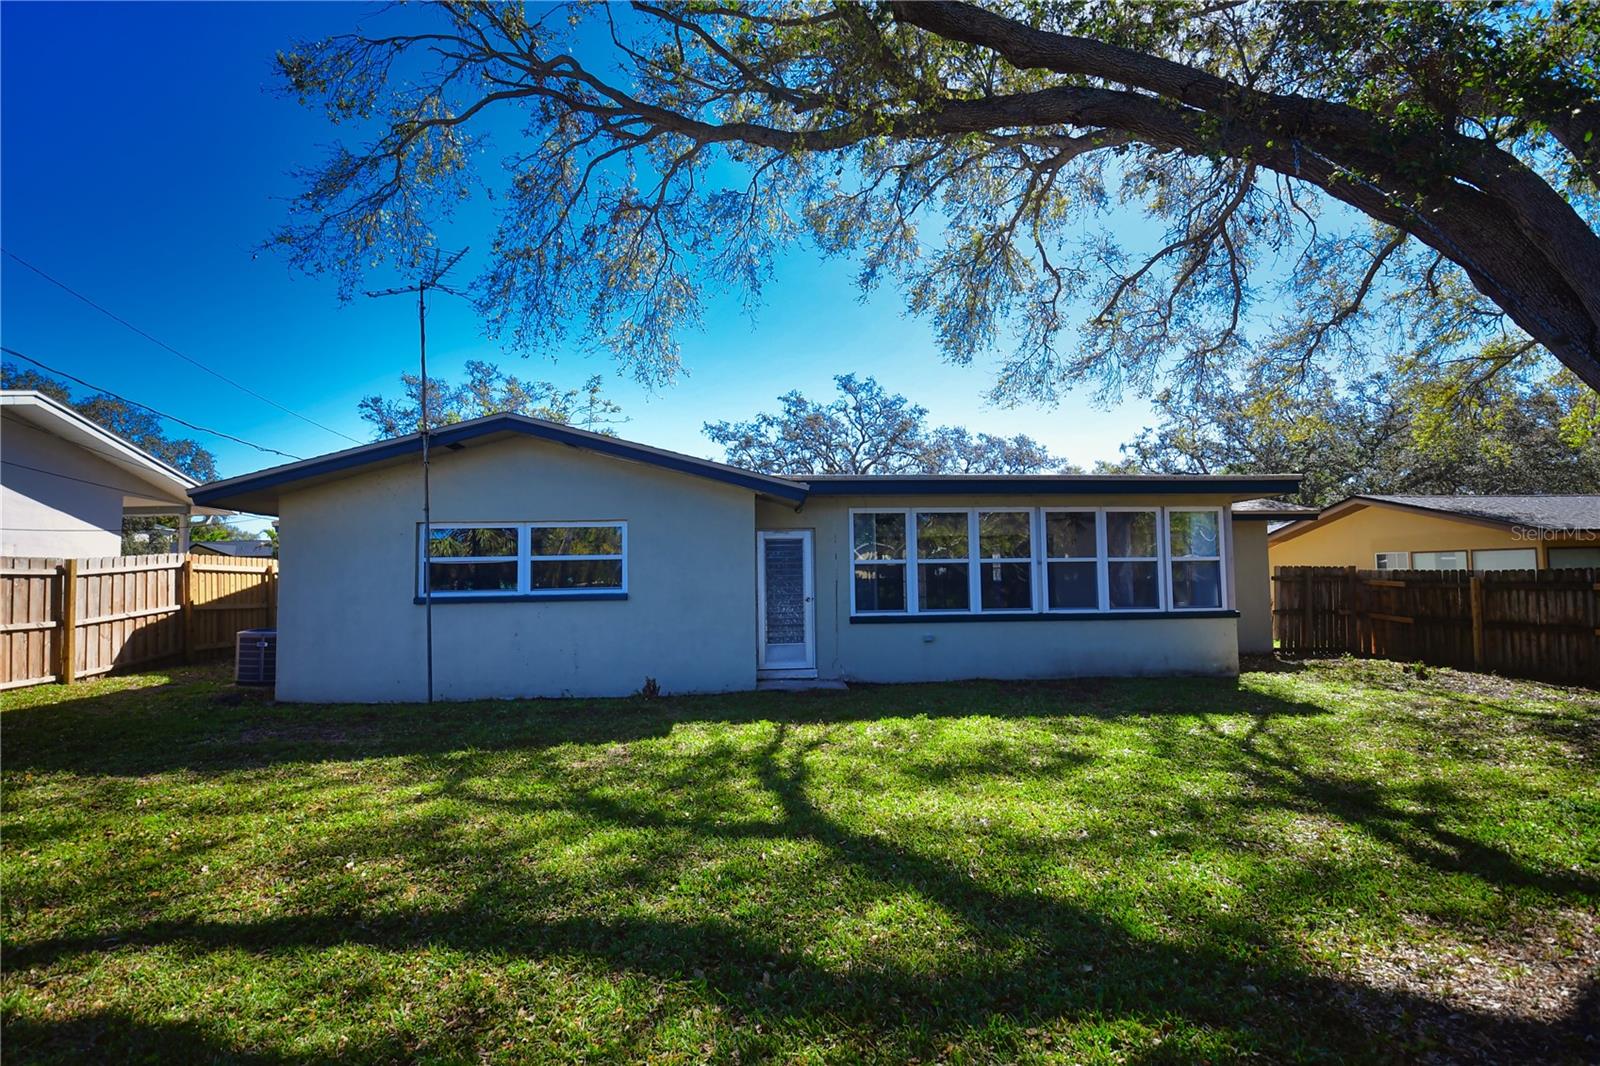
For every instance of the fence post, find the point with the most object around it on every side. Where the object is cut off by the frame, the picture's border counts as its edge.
(269, 578)
(1351, 640)
(1475, 594)
(69, 621)
(1305, 616)
(186, 579)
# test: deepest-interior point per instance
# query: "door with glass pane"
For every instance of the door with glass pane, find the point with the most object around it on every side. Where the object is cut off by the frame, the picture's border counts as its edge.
(785, 609)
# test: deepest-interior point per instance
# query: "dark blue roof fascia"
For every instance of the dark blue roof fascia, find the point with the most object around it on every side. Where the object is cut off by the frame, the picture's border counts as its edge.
(795, 488)
(1032, 486)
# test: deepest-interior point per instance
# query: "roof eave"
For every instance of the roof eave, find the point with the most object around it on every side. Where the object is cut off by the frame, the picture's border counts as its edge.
(258, 493)
(1001, 485)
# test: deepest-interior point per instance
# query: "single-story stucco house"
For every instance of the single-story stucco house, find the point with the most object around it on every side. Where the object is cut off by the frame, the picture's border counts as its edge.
(566, 562)
(66, 483)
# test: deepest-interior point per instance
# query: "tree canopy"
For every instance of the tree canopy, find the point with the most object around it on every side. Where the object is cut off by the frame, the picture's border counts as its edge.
(141, 535)
(867, 430)
(1320, 183)
(133, 424)
(488, 390)
(1529, 434)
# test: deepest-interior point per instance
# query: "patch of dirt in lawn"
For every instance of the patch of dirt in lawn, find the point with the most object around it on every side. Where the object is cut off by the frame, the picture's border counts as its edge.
(1418, 677)
(1273, 663)
(1540, 979)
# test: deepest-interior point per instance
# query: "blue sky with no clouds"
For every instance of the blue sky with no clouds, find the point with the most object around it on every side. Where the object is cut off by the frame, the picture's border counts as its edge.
(145, 159)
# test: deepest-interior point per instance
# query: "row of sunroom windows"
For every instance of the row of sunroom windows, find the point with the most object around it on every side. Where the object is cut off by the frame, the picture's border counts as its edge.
(971, 561)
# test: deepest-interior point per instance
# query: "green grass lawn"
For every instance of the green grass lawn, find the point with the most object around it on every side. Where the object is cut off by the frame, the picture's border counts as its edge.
(1339, 860)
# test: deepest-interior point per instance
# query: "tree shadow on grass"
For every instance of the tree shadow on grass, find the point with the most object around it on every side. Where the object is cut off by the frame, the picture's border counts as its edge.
(1283, 781)
(1034, 959)
(112, 1036)
(202, 727)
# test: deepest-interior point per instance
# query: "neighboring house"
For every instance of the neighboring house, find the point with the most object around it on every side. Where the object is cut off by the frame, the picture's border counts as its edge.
(237, 549)
(66, 483)
(566, 562)
(1445, 533)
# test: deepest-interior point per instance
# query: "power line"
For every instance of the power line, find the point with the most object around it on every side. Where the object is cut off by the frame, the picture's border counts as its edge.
(188, 359)
(65, 477)
(147, 407)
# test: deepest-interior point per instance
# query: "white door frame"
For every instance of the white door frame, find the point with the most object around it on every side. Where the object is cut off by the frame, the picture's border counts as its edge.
(809, 669)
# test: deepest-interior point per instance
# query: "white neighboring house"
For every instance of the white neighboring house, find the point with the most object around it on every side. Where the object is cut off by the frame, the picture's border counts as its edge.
(66, 483)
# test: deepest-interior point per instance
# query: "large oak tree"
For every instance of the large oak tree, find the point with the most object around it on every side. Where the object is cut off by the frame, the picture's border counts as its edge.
(1318, 179)
(869, 430)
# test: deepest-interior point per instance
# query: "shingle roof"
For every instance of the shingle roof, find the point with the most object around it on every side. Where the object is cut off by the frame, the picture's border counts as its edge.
(239, 549)
(1270, 509)
(1543, 512)
(258, 492)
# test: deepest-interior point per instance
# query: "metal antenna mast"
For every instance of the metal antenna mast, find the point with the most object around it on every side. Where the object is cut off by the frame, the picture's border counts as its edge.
(433, 278)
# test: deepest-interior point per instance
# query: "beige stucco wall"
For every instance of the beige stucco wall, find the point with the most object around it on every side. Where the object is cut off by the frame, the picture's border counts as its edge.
(1252, 586)
(1355, 539)
(923, 650)
(348, 629)
(74, 512)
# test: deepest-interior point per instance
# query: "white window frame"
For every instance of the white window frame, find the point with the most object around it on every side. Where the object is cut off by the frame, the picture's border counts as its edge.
(976, 560)
(527, 552)
(1221, 558)
(1102, 591)
(914, 553)
(524, 561)
(1163, 579)
(908, 562)
(1377, 558)
(424, 559)
(1041, 560)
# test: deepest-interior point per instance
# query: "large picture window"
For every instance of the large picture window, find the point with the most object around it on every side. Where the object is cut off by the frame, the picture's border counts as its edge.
(1055, 560)
(1456, 560)
(524, 559)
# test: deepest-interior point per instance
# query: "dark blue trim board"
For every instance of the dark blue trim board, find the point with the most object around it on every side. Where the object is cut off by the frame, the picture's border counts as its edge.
(1033, 616)
(1047, 486)
(522, 597)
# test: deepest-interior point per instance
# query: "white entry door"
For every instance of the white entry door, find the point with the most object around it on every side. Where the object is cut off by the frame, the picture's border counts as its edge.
(786, 604)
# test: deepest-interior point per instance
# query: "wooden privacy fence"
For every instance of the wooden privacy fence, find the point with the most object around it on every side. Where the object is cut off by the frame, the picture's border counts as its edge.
(64, 619)
(1541, 624)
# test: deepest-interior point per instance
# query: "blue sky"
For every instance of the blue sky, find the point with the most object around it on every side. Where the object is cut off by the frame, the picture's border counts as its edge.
(145, 159)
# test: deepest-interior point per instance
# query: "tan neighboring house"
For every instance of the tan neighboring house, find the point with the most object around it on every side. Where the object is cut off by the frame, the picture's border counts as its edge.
(561, 562)
(1444, 533)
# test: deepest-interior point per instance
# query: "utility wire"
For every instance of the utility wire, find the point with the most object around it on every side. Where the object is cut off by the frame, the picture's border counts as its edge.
(188, 359)
(65, 477)
(147, 407)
